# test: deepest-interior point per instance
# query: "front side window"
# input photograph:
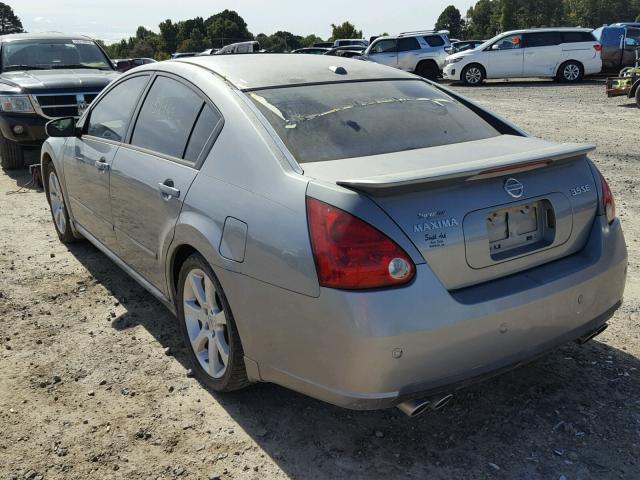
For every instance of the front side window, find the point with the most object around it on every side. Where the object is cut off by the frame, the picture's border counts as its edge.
(167, 117)
(344, 120)
(408, 44)
(633, 37)
(110, 117)
(508, 43)
(52, 54)
(384, 46)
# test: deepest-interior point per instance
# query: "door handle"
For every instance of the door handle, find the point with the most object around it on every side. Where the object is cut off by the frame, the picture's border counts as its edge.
(167, 190)
(102, 164)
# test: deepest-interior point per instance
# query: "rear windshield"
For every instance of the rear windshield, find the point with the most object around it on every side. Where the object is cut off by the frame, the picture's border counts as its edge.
(345, 120)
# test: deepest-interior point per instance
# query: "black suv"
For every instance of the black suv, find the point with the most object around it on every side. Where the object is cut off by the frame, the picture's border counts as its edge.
(45, 76)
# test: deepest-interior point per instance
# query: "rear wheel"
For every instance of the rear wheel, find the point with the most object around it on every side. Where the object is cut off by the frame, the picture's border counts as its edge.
(208, 328)
(428, 70)
(10, 154)
(472, 75)
(570, 72)
(638, 96)
(58, 207)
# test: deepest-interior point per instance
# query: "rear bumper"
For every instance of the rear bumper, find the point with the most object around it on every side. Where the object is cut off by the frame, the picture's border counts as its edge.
(33, 134)
(370, 350)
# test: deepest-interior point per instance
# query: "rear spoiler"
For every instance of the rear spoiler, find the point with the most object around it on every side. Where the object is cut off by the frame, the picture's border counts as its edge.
(474, 169)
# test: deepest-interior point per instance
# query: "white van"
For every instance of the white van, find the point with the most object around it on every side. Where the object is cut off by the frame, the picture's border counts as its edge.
(241, 47)
(567, 54)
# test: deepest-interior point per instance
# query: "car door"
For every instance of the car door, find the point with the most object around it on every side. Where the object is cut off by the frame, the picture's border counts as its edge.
(505, 57)
(385, 52)
(542, 53)
(151, 175)
(409, 51)
(631, 44)
(88, 159)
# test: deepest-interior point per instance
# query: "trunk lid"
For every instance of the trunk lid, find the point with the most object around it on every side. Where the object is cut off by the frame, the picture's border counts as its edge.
(480, 210)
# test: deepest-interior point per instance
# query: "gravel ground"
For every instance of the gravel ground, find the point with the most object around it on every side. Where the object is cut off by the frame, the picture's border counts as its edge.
(93, 382)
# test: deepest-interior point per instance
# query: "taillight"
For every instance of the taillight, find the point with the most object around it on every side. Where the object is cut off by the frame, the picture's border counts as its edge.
(608, 202)
(597, 47)
(351, 254)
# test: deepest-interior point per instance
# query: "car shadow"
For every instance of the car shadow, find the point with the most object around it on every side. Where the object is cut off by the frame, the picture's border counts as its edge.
(531, 83)
(23, 180)
(566, 414)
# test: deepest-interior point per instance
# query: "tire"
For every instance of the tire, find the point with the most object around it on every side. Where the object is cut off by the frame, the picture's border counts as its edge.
(10, 154)
(208, 328)
(58, 207)
(428, 70)
(570, 72)
(638, 96)
(473, 75)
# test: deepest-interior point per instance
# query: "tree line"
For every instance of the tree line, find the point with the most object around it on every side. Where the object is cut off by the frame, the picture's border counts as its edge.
(489, 17)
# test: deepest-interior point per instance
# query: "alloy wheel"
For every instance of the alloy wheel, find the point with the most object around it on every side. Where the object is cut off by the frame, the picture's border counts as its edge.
(473, 75)
(571, 72)
(57, 203)
(206, 323)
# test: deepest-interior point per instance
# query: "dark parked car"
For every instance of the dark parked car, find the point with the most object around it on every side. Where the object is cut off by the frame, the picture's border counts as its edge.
(45, 76)
(183, 54)
(619, 43)
(312, 50)
(463, 45)
(125, 64)
(347, 51)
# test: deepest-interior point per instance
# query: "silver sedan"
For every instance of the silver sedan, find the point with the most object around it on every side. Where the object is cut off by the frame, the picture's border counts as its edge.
(342, 228)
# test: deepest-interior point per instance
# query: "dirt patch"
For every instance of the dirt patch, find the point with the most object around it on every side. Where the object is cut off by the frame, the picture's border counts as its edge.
(93, 381)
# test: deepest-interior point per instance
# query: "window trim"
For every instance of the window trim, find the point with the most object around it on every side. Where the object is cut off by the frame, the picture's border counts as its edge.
(215, 133)
(83, 122)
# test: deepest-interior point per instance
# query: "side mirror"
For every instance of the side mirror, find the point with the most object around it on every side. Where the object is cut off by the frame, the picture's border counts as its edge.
(61, 127)
(495, 47)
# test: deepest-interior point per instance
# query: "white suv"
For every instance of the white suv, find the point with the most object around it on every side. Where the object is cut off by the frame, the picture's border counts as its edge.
(422, 53)
(567, 54)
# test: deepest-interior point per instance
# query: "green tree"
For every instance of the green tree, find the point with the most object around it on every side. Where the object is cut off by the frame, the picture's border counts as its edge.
(9, 21)
(142, 49)
(482, 20)
(345, 30)
(168, 36)
(226, 27)
(450, 19)
(284, 42)
(309, 40)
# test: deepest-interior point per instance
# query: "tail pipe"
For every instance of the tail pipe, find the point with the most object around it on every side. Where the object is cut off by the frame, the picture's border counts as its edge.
(594, 333)
(413, 408)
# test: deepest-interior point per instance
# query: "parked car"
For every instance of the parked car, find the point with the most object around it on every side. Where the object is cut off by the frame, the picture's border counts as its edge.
(346, 42)
(183, 54)
(126, 64)
(209, 51)
(464, 45)
(352, 232)
(347, 51)
(312, 50)
(422, 53)
(44, 76)
(241, 47)
(323, 44)
(567, 54)
(619, 43)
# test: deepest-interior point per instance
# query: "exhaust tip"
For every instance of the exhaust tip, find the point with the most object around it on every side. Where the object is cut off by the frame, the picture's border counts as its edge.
(413, 408)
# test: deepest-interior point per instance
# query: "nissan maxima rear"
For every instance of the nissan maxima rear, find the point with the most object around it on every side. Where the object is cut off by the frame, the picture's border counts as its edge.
(344, 229)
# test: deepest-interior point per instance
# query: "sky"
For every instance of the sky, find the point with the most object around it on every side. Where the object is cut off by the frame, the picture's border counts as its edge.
(116, 19)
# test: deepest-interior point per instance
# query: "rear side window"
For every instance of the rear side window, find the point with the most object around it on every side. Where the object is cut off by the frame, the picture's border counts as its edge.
(343, 120)
(577, 37)
(206, 125)
(167, 117)
(633, 37)
(434, 40)
(542, 39)
(408, 44)
(109, 118)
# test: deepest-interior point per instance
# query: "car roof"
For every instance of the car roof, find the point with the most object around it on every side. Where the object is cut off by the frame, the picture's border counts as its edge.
(42, 36)
(550, 29)
(261, 70)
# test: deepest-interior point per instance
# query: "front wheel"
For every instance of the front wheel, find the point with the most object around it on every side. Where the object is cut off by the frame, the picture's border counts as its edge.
(472, 75)
(59, 212)
(208, 328)
(570, 72)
